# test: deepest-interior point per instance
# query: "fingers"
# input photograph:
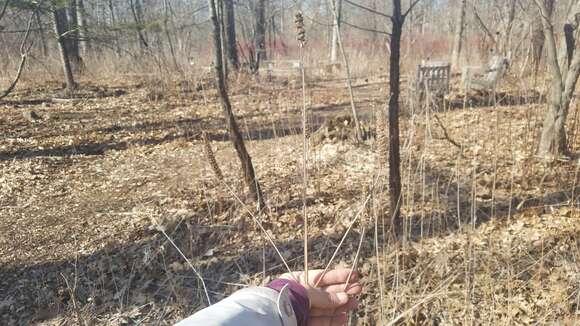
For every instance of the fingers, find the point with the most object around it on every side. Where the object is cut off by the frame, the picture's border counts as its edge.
(335, 276)
(350, 305)
(350, 289)
(338, 320)
(323, 299)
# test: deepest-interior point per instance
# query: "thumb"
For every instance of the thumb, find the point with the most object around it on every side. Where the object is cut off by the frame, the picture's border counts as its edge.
(322, 299)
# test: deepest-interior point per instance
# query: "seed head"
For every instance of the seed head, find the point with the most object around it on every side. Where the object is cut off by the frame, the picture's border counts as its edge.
(300, 31)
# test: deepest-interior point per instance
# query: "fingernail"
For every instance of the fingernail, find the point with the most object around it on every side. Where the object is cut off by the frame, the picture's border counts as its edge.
(343, 297)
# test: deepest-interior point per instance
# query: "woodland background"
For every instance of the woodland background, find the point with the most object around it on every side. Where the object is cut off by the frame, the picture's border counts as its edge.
(147, 145)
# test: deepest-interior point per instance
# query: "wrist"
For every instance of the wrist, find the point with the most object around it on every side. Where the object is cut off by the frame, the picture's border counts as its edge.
(298, 298)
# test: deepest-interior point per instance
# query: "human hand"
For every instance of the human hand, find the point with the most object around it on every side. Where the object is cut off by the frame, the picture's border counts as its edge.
(330, 297)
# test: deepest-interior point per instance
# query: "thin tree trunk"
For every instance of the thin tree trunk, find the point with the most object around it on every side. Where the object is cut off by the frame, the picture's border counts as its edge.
(233, 130)
(83, 32)
(260, 37)
(221, 20)
(337, 15)
(168, 35)
(393, 114)
(41, 32)
(348, 78)
(72, 38)
(59, 19)
(231, 43)
(113, 23)
(564, 76)
(458, 38)
(507, 40)
(137, 12)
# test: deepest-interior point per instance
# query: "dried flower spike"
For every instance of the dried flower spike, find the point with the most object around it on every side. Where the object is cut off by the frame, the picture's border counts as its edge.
(300, 31)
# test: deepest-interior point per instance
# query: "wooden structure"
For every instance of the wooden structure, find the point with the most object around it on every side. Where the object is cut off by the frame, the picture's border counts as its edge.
(431, 82)
(281, 68)
(433, 76)
(484, 78)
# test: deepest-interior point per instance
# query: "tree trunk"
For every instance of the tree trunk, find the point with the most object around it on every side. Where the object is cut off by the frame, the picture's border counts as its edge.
(231, 43)
(538, 37)
(393, 114)
(59, 20)
(334, 46)
(41, 32)
(507, 39)
(137, 11)
(113, 23)
(260, 37)
(166, 8)
(82, 19)
(233, 130)
(564, 76)
(72, 38)
(458, 38)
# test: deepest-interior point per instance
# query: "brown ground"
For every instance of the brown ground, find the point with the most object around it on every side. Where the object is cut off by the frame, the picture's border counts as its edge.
(491, 233)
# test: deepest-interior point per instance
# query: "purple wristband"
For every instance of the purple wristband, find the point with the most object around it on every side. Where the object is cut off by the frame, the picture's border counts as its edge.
(298, 298)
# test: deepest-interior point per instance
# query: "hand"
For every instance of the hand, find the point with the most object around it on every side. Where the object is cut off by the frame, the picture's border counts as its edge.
(332, 299)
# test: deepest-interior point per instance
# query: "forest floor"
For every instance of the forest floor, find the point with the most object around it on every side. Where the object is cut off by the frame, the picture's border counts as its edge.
(90, 187)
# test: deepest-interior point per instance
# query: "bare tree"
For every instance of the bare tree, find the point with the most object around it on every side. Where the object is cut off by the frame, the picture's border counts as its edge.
(60, 23)
(458, 38)
(564, 70)
(336, 7)
(397, 20)
(230, 26)
(72, 34)
(24, 51)
(137, 11)
(538, 35)
(260, 32)
(85, 43)
(234, 132)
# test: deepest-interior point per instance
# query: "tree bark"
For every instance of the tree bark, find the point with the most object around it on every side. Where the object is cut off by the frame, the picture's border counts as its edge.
(233, 130)
(137, 11)
(538, 36)
(393, 114)
(334, 46)
(41, 34)
(260, 37)
(85, 44)
(458, 38)
(231, 43)
(72, 38)
(564, 75)
(59, 20)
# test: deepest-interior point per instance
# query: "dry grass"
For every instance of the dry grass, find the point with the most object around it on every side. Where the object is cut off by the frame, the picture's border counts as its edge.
(491, 235)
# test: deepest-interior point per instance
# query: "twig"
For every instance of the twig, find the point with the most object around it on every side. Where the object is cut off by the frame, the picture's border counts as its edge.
(190, 265)
(342, 240)
(268, 237)
(447, 134)
(347, 71)
(24, 50)
(356, 256)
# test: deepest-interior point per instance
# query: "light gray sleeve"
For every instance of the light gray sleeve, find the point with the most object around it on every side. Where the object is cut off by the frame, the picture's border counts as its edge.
(251, 306)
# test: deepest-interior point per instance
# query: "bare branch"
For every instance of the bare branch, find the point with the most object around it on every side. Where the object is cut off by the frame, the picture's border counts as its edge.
(364, 28)
(411, 6)
(482, 25)
(24, 50)
(367, 9)
(446, 134)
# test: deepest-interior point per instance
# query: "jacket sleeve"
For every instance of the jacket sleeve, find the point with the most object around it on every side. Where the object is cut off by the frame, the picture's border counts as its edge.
(252, 306)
